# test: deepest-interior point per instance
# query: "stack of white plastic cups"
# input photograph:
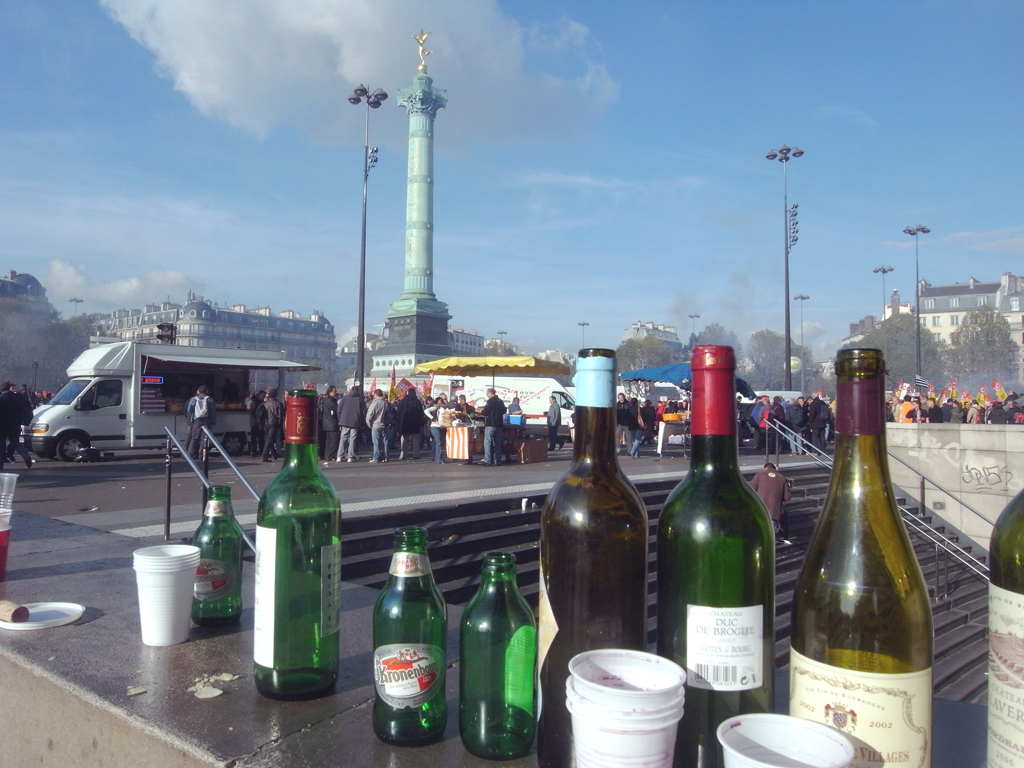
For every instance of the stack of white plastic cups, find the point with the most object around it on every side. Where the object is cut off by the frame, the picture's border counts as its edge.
(625, 707)
(166, 576)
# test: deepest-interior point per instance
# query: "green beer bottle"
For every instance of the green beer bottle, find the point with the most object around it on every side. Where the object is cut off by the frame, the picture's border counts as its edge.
(498, 642)
(298, 567)
(410, 625)
(217, 597)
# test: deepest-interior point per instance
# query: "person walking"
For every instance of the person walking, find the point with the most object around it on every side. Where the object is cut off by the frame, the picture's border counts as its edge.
(775, 491)
(817, 420)
(797, 422)
(623, 430)
(201, 411)
(273, 424)
(435, 413)
(494, 418)
(410, 421)
(636, 434)
(15, 412)
(329, 423)
(554, 420)
(257, 417)
(351, 415)
(379, 417)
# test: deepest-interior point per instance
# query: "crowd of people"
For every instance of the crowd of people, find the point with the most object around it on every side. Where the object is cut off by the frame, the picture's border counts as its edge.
(412, 425)
(911, 409)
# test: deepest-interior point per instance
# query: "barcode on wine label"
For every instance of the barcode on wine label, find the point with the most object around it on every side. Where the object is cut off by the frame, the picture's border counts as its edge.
(716, 674)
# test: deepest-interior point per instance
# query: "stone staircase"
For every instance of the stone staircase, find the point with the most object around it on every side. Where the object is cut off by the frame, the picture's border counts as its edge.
(460, 535)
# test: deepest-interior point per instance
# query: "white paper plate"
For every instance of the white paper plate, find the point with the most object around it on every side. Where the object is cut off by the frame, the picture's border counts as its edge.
(43, 615)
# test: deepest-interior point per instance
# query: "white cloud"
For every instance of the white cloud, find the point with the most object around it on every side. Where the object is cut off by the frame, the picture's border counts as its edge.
(260, 64)
(65, 281)
(845, 113)
(570, 180)
(1010, 240)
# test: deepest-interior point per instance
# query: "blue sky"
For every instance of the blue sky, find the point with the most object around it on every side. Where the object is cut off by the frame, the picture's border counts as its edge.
(599, 162)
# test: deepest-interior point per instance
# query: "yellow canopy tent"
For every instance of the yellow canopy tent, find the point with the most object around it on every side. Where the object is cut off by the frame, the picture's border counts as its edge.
(493, 365)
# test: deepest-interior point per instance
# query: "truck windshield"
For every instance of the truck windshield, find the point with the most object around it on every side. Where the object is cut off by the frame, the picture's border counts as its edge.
(69, 392)
(564, 401)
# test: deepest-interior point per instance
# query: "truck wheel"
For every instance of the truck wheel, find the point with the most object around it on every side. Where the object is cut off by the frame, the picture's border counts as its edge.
(69, 445)
(234, 443)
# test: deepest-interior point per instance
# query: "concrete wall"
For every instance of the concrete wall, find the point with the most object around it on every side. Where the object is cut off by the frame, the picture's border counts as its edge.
(982, 464)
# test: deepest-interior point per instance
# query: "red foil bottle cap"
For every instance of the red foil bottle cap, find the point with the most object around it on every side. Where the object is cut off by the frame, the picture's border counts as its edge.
(301, 416)
(713, 376)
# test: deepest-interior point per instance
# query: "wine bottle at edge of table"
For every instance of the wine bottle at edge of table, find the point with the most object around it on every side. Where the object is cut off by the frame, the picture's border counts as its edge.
(497, 651)
(298, 567)
(716, 572)
(217, 596)
(861, 657)
(593, 556)
(410, 630)
(1006, 637)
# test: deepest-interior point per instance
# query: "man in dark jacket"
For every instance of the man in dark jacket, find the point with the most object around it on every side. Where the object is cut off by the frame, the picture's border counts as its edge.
(410, 420)
(351, 416)
(257, 418)
(494, 412)
(15, 412)
(329, 423)
(996, 414)
(554, 421)
(797, 417)
(817, 419)
(774, 491)
(625, 423)
(273, 424)
(201, 411)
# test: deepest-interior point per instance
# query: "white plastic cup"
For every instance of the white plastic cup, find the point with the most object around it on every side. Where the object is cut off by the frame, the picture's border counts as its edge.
(7, 482)
(166, 576)
(625, 708)
(781, 741)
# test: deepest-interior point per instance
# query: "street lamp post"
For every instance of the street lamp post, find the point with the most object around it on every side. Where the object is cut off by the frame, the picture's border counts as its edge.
(783, 154)
(501, 340)
(914, 232)
(35, 376)
(583, 334)
(883, 271)
(76, 302)
(373, 101)
(803, 363)
(693, 331)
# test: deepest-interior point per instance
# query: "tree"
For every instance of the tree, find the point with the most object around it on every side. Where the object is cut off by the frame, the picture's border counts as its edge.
(717, 334)
(765, 364)
(982, 348)
(643, 353)
(897, 337)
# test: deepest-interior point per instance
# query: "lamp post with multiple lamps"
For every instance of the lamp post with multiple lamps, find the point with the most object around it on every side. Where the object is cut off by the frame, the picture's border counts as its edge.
(76, 301)
(501, 342)
(693, 331)
(920, 229)
(373, 101)
(803, 363)
(883, 271)
(784, 154)
(583, 334)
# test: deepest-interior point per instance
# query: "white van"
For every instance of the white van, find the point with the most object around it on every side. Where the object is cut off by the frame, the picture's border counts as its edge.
(122, 395)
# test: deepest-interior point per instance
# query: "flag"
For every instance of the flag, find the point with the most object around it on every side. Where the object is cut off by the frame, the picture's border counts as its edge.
(920, 382)
(393, 392)
(982, 397)
(904, 389)
(942, 396)
(931, 390)
(899, 390)
(373, 387)
(952, 388)
(998, 389)
(966, 397)
(821, 395)
(430, 387)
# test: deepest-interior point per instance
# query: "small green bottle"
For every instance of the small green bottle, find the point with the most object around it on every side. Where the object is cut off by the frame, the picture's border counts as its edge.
(410, 626)
(498, 642)
(217, 596)
(298, 567)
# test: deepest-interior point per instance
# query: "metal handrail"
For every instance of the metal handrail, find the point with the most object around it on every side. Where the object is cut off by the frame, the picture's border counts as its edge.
(921, 528)
(958, 500)
(173, 440)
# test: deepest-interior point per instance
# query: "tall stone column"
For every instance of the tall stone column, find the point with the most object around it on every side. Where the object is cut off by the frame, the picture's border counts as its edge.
(417, 323)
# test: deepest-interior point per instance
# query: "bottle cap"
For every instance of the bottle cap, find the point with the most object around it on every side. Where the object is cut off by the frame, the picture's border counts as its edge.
(301, 416)
(713, 368)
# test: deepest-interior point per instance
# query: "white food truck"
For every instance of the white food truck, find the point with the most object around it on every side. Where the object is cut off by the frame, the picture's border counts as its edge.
(533, 393)
(122, 396)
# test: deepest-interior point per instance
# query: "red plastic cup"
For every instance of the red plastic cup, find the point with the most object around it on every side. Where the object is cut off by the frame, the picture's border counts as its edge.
(5, 537)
